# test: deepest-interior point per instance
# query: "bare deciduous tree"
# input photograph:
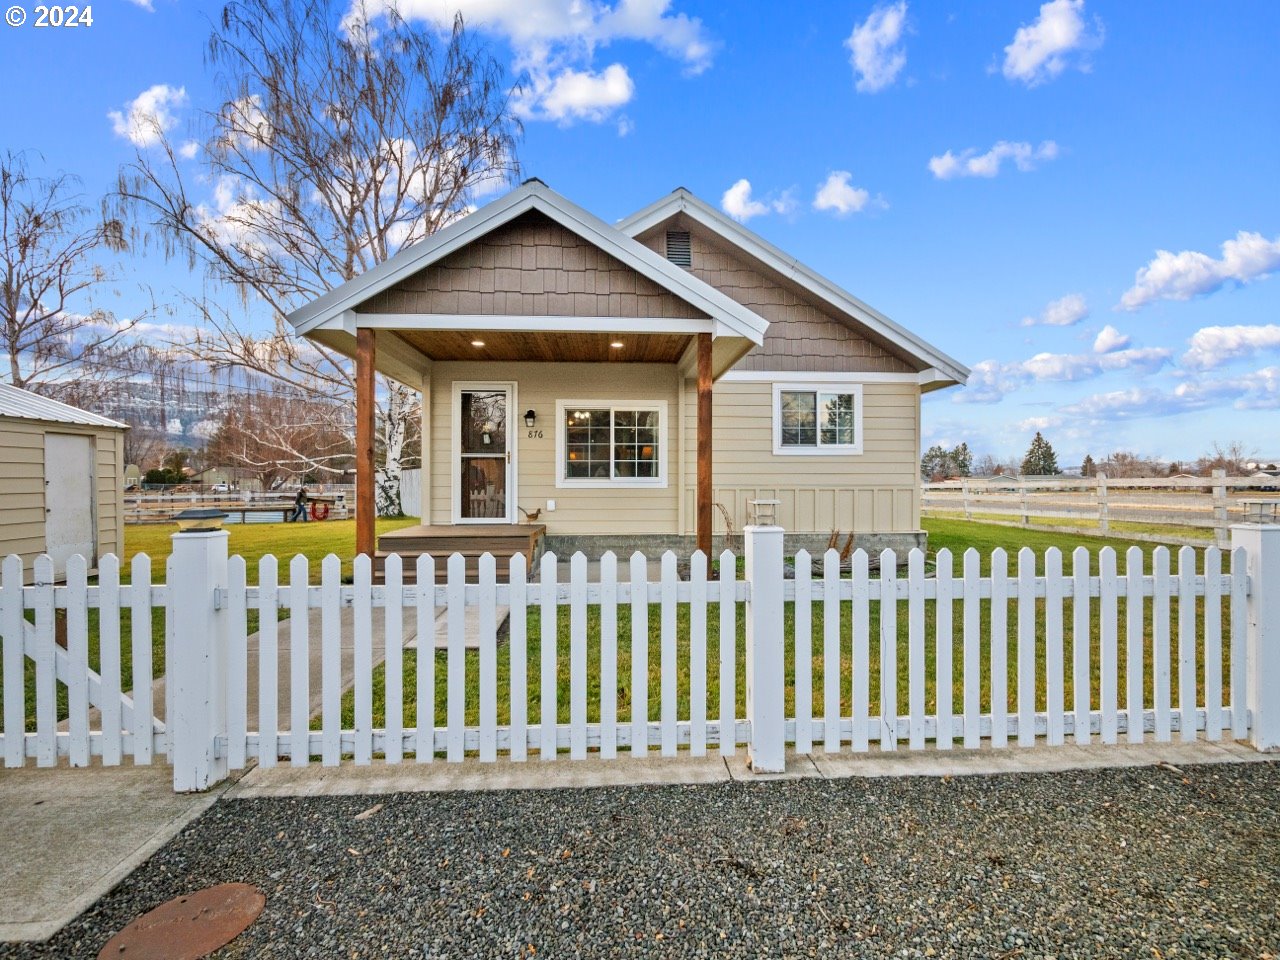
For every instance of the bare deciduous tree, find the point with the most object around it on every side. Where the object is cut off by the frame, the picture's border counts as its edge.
(343, 137)
(276, 435)
(1232, 458)
(48, 243)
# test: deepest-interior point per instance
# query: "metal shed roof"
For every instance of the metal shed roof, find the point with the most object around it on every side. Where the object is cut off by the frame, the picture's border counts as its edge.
(26, 405)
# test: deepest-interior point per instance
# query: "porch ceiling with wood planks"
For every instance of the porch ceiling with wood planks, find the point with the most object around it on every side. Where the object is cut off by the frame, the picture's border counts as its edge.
(544, 346)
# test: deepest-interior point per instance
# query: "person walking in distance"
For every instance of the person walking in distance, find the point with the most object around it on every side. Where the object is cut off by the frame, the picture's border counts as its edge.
(300, 506)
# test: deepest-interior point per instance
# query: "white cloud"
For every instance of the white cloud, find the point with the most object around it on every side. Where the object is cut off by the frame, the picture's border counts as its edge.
(738, 203)
(1259, 390)
(785, 202)
(1039, 423)
(246, 122)
(1213, 346)
(1064, 312)
(1085, 366)
(989, 381)
(146, 118)
(992, 380)
(1181, 276)
(875, 47)
(555, 41)
(579, 95)
(1109, 340)
(144, 4)
(189, 150)
(970, 163)
(839, 196)
(1044, 48)
(1122, 405)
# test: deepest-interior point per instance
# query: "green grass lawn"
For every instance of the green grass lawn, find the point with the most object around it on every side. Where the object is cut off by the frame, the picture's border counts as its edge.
(316, 540)
(954, 535)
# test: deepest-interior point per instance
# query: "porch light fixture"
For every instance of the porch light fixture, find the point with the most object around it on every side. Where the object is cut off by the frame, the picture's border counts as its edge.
(477, 343)
(616, 345)
(200, 520)
(487, 431)
(530, 418)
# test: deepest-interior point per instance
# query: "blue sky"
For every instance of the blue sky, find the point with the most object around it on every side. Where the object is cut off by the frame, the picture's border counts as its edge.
(989, 167)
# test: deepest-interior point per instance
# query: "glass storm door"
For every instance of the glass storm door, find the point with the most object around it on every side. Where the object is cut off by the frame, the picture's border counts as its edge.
(484, 456)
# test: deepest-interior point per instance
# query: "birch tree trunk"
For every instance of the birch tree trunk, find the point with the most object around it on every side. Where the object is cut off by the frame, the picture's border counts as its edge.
(396, 415)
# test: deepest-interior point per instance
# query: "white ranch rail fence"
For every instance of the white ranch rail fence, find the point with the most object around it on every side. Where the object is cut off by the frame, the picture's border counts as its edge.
(1036, 651)
(1210, 504)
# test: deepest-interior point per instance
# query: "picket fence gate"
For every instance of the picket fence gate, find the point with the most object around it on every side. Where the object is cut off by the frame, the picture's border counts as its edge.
(1068, 626)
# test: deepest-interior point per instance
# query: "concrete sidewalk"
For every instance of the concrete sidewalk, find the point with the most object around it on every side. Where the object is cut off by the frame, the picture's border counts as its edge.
(68, 836)
(533, 774)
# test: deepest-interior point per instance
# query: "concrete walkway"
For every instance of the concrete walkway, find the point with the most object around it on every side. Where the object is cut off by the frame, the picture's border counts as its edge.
(68, 836)
(438, 776)
(284, 692)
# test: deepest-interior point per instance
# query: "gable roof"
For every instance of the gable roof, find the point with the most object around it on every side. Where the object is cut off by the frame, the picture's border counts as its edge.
(760, 250)
(25, 405)
(328, 309)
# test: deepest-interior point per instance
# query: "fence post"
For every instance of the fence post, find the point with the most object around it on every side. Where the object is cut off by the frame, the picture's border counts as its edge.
(1220, 508)
(964, 488)
(1262, 629)
(1026, 516)
(197, 669)
(762, 547)
(1104, 511)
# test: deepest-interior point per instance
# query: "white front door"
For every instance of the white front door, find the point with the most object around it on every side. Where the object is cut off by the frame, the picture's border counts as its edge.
(484, 447)
(69, 526)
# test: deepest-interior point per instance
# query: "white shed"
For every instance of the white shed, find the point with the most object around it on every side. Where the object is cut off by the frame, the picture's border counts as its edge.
(61, 489)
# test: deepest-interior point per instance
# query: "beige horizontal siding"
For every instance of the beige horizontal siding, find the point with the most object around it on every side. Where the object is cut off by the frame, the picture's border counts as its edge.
(22, 476)
(531, 266)
(538, 387)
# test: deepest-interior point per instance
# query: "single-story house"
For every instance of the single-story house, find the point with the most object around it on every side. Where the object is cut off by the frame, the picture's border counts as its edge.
(61, 481)
(628, 385)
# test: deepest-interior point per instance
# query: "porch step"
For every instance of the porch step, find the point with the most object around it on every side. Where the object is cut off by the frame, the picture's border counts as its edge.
(503, 542)
(502, 563)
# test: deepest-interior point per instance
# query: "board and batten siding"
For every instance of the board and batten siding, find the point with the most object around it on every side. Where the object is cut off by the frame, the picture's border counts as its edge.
(629, 510)
(876, 491)
(22, 477)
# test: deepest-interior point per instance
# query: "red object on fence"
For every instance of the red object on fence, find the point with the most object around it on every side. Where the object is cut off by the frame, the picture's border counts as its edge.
(319, 510)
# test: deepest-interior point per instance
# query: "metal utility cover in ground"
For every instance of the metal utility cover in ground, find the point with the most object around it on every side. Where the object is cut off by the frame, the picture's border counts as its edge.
(189, 927)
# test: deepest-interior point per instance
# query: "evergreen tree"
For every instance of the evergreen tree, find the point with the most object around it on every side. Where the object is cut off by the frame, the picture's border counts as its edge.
(1088, 468)
(962, 460)
(933, 463)
(1040, 460)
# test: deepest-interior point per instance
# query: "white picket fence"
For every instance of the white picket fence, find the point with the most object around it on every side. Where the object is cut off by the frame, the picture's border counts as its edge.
(1036, 684)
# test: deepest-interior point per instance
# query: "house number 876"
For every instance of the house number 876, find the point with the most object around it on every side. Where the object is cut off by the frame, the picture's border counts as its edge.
(535, 435)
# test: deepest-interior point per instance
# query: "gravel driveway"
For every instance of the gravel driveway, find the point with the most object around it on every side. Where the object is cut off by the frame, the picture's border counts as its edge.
(1141, 862)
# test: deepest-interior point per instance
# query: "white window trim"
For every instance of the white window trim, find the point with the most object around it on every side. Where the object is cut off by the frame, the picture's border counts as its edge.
(830, 450)
(622, 483)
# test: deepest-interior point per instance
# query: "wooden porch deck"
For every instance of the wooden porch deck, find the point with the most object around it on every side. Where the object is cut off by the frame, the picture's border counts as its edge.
(503, 540)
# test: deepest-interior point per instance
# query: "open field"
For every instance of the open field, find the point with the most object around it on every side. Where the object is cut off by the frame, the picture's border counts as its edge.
(1191, 510)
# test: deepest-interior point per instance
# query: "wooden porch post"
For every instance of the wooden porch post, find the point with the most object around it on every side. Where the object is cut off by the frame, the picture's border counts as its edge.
(704, 443)
(365, 354)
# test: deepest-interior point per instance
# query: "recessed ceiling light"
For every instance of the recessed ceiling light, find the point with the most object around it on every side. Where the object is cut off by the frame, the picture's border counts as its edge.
(477, 343)
(617, 344)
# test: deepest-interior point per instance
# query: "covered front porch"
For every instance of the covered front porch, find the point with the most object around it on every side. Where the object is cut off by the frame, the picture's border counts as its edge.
(589, 434)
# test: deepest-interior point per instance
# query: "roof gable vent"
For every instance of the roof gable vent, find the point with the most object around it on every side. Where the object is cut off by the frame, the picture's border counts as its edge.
(679, 248)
